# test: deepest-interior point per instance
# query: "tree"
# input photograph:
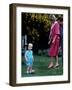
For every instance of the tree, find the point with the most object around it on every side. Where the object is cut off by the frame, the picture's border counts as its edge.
(36, 26)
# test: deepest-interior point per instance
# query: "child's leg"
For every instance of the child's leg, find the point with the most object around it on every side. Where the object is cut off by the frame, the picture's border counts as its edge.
(31, 70)
(28, 69)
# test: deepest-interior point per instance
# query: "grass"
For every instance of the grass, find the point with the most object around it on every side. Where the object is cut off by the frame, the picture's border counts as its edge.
(41, 67)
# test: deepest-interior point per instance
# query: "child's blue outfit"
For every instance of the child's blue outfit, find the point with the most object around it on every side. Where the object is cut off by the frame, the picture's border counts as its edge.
(29, 57)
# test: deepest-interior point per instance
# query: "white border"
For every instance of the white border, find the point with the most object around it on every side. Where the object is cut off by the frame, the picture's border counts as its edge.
(63, 77)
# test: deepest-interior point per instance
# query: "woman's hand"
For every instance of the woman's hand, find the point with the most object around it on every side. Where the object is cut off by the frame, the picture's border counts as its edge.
(53, 41)
(49, 42)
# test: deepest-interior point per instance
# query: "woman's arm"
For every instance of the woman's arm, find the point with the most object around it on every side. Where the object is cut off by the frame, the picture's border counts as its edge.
(50, 39)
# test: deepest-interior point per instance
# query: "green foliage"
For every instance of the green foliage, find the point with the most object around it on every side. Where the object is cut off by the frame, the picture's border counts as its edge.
(42, 18)
(36, 24)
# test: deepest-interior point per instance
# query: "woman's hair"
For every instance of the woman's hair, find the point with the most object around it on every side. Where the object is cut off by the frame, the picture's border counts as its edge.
(53, 17)
(60, 19)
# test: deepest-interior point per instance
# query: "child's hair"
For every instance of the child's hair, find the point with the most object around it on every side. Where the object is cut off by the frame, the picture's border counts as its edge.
(30, 45)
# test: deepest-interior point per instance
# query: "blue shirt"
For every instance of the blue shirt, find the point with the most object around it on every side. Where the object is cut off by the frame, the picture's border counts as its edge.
(29, 57)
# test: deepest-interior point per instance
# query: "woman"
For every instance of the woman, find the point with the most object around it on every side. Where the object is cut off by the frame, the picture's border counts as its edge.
(54, 40)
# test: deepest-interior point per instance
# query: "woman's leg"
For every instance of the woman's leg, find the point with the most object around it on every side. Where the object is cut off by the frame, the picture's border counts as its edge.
(51, 63)
(57, 61)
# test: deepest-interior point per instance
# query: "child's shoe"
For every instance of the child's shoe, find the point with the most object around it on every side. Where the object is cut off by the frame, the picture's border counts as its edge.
(32, 71)
(27, 72)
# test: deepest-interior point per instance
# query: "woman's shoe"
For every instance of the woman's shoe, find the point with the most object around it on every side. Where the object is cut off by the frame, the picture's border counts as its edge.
(50, 65)
(57, 65)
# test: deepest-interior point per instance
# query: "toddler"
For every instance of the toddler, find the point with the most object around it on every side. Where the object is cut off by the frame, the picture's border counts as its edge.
(29, 58)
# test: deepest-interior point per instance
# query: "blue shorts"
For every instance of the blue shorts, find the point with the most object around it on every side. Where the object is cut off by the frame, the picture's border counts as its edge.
(29, 62)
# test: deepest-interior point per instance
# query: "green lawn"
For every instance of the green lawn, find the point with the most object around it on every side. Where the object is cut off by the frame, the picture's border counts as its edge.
(41, 67)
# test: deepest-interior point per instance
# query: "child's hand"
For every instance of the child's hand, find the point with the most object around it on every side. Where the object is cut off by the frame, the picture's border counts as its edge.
(26, 58)
(33, 60)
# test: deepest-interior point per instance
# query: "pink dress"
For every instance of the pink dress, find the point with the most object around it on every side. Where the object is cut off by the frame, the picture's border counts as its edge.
(55, 32)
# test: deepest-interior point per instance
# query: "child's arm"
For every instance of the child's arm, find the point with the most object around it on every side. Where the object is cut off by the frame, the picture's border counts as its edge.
(32, 56)
(26, 56)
